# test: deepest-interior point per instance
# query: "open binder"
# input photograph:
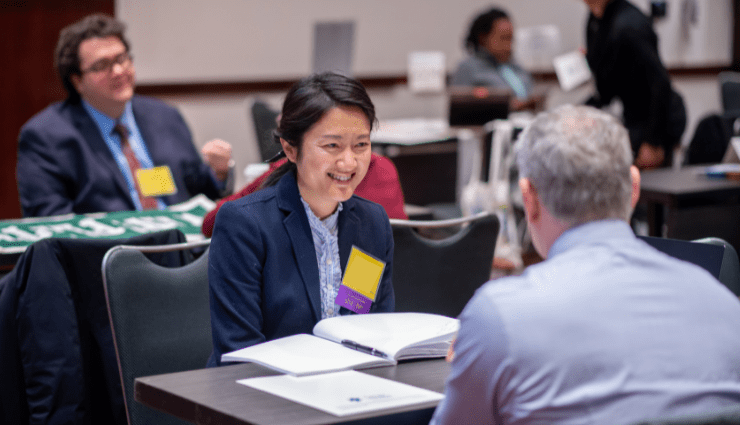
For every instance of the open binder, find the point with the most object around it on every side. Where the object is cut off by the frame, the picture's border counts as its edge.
(354, 341)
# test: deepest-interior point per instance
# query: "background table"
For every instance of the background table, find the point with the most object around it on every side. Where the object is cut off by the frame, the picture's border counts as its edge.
(209, 396)
(686, 204)
(433, 159)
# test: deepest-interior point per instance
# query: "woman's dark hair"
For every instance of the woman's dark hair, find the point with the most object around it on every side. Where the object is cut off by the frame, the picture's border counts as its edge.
(306, 103)
(481, 26)
(66, 56)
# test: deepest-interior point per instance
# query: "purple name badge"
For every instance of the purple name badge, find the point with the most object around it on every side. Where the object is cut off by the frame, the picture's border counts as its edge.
(353, 300)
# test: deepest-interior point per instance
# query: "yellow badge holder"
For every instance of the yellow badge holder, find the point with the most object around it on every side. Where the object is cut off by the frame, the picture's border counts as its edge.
(156, 181)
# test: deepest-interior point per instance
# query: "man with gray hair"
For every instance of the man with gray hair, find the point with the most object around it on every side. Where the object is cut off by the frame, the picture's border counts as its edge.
(607, 330)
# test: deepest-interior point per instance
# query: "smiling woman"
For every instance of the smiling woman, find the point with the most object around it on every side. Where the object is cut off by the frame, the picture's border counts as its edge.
(490, 64)
(277, 256)
(333, 158)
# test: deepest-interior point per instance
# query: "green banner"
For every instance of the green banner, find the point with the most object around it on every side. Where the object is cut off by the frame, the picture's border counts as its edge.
(16, 235)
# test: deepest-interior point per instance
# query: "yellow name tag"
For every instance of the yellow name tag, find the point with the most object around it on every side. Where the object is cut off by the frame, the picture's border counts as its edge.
(363, 273)
(156, 181)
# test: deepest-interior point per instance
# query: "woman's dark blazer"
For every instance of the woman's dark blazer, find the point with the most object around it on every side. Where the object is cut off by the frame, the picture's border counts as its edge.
(263, 273)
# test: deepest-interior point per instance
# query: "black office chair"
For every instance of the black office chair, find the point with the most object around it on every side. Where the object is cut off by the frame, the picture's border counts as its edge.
(264, 119)
(440, 276)
(711, 138)
(729, 83)
(56, 349)
(729, 272)
(160, 318)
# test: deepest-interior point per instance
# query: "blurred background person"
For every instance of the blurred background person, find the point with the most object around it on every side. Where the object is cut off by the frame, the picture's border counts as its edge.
(622, 52)
(490, 64)
(81, 155)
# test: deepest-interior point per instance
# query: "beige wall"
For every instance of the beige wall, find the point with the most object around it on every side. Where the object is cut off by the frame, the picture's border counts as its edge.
(216, 40)
(227, 117)
(263, 40)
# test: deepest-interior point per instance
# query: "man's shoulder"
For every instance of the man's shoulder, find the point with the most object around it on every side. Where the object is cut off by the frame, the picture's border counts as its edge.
(551, 280)
(158, 121)
(509, 286)
(630, 23)
(595, 268)
(148, 104)
(57, 118)
(52, 114)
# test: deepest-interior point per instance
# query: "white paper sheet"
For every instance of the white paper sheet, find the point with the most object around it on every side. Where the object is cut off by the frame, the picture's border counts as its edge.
(411, 131)
(427, 72)
(572, 70)
(343, 393)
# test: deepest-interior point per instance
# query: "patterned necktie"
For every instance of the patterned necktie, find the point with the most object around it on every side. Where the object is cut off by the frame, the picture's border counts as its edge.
(147, 203)
(513, 81)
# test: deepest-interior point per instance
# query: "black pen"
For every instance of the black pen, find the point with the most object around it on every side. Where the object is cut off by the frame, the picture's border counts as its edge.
(363, 348)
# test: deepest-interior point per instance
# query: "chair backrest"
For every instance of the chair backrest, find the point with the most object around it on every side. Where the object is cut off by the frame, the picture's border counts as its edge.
(729, 83)
(729, 273)
(160, 318)
(440, 276)
(264, 119)
(709, 143)
(706, 256)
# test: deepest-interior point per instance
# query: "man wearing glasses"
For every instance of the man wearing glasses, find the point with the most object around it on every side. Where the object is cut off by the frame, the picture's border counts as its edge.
(102, 148)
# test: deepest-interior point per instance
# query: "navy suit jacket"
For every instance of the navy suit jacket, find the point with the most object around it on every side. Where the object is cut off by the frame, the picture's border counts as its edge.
(64, 165)
(263, 273)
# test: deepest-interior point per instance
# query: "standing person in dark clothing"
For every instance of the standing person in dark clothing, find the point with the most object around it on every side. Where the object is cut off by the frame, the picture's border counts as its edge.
(622, 51)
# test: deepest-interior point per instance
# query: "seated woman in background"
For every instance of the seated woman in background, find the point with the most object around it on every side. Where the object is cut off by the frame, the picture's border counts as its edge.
(277, 255)
(381, 185)
(490, 63)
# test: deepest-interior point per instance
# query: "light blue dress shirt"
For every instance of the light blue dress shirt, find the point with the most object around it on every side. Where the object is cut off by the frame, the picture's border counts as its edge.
(113, 141)
(607, 330)
(326, 242)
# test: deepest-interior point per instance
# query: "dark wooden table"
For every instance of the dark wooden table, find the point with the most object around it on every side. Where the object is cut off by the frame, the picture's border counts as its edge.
(212, 396)
(686, 204)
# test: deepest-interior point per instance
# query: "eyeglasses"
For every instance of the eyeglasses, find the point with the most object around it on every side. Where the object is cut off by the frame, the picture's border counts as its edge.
(106, 65)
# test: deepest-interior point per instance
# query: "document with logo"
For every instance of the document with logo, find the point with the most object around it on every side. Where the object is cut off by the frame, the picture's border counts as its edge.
(344, 393)
(354, 341)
